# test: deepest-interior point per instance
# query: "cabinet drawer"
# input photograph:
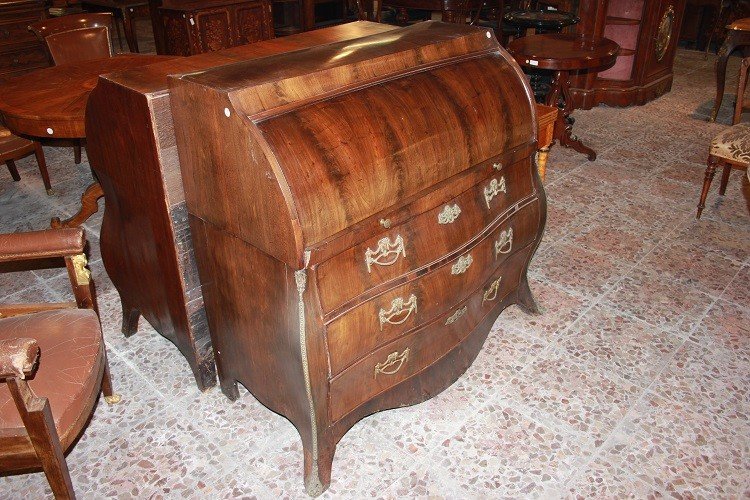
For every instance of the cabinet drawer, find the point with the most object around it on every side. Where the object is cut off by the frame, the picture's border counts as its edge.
(17, 32)
(33, 57)
(409, 355)
(387, 316)
(423, 239)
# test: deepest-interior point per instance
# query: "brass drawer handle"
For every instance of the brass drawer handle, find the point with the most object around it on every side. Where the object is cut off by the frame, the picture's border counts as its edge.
(494, 188)
(386, 253)
(386, 223)
(398, 307)
(454, 317)
(462, 264)
(504, 243)
(393, 363)
(491, 293)
(497, 166)
(449, 214)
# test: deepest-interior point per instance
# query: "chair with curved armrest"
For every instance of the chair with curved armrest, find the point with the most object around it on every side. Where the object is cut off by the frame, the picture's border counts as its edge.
(53, 363)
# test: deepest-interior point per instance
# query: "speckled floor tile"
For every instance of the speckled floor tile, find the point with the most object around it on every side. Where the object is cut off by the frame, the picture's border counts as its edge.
(712, 378)
(659, 300)
(629, 348)
(685, 453)
(730, 241)
(502, 453)
(580, 270)
(738, 290)
(558, 310)
(726, 324)
(701, 268)
(601, 479)
(556, 388)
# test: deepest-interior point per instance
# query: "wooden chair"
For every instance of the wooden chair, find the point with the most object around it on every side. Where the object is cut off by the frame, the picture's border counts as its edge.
(14, 148)
(731, 148)
(75, 38)
(53, 363)
(741, 88)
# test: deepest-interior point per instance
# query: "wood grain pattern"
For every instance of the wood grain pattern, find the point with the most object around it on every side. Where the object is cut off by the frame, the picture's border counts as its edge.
(293, 165)
(52, 102)
(146, 241)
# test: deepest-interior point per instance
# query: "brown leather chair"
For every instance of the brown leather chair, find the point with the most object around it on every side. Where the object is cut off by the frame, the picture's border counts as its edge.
(76, 37)
(14, 148)
(52, 361)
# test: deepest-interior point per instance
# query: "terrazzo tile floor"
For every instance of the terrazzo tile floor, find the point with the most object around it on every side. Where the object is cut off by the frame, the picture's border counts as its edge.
(634, 382)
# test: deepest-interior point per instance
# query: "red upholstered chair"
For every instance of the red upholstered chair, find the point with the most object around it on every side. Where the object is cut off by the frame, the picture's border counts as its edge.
(53, 363)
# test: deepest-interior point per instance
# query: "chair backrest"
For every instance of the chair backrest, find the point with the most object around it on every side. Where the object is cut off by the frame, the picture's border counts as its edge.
(77, 37)
(369, 10)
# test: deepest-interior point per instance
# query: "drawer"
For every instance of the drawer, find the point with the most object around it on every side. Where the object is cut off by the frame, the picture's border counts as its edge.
(33, 57)
(385, 317)
(409, 355)
(422, 239)
(17, 32)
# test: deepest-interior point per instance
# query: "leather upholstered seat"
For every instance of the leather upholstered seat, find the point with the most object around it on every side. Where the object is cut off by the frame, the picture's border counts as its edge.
(53, 362)
(69, 373)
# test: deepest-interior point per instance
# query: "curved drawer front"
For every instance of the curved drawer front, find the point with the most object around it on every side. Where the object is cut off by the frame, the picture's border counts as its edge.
(423, 239)
(409, 355)
(387, 316)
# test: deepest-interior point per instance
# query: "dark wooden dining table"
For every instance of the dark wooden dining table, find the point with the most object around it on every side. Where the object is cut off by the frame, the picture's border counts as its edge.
(562, 54)
(51, 103)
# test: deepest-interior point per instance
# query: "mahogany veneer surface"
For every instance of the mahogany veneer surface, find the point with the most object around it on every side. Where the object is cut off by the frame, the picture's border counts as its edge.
(145, 238)
(361, 212)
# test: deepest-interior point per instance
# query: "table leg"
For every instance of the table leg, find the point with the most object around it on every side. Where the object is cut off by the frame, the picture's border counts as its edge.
(541, 162)
(89, 207)
(129, 27)
(721, 71)
(563, 130)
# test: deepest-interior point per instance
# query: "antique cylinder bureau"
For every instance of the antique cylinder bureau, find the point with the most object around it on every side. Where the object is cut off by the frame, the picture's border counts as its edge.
(361, 213)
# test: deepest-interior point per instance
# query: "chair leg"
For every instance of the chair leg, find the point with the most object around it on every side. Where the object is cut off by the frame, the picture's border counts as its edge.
(39, 153)
(725, 179)
(109, 394)
(77, 153)
(13, 170)
(710, 171)
(37, 418)
(744, 69)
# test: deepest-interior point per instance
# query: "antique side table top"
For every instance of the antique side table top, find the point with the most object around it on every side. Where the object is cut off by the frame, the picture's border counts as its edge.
(563, 51)
(51, 102)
